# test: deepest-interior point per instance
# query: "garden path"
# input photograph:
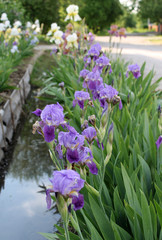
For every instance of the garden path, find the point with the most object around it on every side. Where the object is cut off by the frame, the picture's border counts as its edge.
(138, 49)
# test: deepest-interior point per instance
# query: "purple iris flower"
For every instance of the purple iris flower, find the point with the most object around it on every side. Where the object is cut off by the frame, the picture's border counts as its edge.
(54, 51)
(78, 202)
(53, 115)
(91, 38)
(96, 92)
(6, 44)
(83, 73)
(90, 134)
(49, 133)
(159, 142)
(72, 155)
(80, 98)
(97, 46)
(87, 60)
(102, 62)
(135, 70)
(14, 43)
(71, 139)
(92, 80)
(94, 51)
(107, 94)
(67, 182)
(83, 156)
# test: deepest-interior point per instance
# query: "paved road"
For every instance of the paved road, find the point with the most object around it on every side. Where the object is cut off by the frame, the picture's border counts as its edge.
(138, 49)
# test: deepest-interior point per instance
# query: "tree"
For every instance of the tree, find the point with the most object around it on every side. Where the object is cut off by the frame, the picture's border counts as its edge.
(45, 10)
(151, 9)
(99, 14)
(14, 10)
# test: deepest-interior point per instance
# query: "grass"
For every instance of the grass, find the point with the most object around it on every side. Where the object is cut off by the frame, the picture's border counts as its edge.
(156, 40)
(138, 30)
(44, 63)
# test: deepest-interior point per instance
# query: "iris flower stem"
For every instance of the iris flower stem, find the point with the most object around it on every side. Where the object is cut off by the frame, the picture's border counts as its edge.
(66, 230)
(78, 228)
(54, 158)
(102, 171)
(102, 180)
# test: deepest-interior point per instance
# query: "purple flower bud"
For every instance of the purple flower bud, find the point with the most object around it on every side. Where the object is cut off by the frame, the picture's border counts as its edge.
(158, 142)
(59, 150)
(37, 112)
(159, 109)
(120, 105)
(78, 202)
(84, 125)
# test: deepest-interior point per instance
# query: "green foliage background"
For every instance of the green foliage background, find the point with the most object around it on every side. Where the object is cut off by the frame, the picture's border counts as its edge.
(98, 14)
(151, 9)
(14, 10)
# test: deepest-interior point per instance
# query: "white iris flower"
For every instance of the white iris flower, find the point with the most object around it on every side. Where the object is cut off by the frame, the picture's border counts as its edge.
(72, 13)
(72, 41)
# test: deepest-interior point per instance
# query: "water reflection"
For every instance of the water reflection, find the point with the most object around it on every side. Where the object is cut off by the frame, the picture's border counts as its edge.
(31, 154)
(22, 205)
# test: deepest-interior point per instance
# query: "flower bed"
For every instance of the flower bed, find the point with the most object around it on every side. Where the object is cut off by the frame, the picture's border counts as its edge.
(16, 43)
(104, 141)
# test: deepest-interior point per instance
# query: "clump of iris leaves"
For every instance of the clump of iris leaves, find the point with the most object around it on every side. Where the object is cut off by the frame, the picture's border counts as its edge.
(132, 192)
(9, 61)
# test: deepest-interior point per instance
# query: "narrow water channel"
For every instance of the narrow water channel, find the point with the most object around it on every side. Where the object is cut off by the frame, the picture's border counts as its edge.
(26, 167)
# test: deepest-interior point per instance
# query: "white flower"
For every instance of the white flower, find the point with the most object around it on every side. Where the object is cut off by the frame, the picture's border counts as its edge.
(72, 41)
(72, 11)
(14, 32)
(36, 26)
(7, 24)
(28, 25)
(17, 24)
(58, 37)
(4, 17)
(14, 49)
(38, 30)
(2, 27)
(54, 27)
(37, 22)
(49, 33)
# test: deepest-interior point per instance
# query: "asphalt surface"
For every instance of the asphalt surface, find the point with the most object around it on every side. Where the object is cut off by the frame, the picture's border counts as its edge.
(137, 49)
